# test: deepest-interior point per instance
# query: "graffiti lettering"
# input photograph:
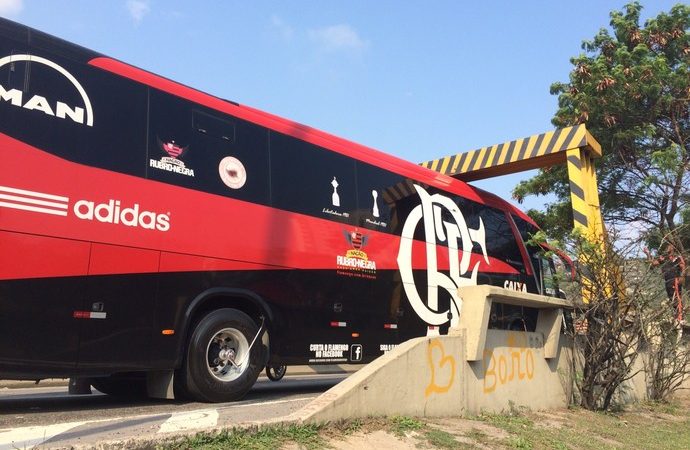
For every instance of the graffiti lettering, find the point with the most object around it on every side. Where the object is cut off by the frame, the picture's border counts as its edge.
(502, 366)
(442, 367)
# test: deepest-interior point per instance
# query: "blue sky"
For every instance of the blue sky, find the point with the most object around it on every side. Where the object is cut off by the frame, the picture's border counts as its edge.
(416, 79)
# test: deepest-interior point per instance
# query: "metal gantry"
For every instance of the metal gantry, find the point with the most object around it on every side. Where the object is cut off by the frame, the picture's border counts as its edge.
(573, 146)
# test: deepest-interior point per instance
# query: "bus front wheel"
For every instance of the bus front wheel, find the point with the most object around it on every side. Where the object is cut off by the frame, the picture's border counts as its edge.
(221, 364)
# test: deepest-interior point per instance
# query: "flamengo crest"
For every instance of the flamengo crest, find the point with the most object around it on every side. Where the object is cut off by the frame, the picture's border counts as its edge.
(434, 212)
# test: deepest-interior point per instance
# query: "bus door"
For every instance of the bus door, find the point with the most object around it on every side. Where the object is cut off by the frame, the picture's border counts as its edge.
(119, 309)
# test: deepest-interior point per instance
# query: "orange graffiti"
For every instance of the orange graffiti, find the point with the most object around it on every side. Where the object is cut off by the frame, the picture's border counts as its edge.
(443, 361)
(514, 364)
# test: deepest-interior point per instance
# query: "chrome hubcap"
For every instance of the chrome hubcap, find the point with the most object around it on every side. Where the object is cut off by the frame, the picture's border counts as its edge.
(226, 354)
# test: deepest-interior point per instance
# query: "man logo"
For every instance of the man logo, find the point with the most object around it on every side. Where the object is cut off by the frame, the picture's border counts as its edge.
(433, 212)
(40, 103)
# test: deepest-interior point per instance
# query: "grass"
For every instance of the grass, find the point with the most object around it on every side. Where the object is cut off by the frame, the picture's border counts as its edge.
(265, 438)
(648, 425)
(352, 426)
(478, 436)
(406, 426)
(441, 439)
(402, 425)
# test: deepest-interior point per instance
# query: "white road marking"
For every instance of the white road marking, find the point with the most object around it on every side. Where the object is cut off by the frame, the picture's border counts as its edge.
(190, 420)
(28, 437)
(208, 418)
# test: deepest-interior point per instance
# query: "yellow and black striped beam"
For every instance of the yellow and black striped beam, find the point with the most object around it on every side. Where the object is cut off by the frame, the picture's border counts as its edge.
(536, 151)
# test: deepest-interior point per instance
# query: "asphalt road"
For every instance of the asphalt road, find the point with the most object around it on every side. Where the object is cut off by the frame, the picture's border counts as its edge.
(48, 417)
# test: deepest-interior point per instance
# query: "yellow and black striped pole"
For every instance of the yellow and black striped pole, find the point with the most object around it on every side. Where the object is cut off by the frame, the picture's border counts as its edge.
(584, 196)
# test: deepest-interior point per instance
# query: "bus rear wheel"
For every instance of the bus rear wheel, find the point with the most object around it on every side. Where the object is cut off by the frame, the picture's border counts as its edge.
(221, 364)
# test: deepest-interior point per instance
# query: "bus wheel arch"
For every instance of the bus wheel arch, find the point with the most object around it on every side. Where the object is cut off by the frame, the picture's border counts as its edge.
(224, 346)
(243, 300)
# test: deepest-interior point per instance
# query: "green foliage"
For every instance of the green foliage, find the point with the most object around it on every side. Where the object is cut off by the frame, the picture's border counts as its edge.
(352, 426)
(521, 442)
(441, 439)
(478, 435)
(557, 219)
(265, 438)
(512, 422)
(643, 427)
(631, 86)
(400, 425)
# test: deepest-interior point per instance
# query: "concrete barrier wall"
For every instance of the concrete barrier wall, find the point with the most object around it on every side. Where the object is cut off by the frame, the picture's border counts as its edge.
(514, 372)
(471, 370)
(430, 377)
(420, 377)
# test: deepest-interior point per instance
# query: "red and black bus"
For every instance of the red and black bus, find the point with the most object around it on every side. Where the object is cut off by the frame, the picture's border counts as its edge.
(150, 232)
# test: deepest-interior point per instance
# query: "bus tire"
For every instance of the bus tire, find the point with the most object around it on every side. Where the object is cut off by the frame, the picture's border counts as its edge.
(275, 373)
(219, 366)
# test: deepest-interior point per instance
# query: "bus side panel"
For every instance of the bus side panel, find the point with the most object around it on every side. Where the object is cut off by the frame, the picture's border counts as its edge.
(38, 333)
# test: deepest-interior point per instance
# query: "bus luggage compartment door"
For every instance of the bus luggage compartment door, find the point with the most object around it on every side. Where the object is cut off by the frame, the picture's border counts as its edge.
(120, 308)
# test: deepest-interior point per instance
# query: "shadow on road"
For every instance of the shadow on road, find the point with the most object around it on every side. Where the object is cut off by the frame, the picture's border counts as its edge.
(52, 405)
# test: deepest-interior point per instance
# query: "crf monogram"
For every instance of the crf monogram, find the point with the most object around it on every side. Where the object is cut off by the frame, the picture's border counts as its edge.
(443, 222)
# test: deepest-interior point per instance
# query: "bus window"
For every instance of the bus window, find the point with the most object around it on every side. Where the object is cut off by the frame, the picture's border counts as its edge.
(204, 150)
(548, 279)
(500, 240)
(310, 180)
(213, 127)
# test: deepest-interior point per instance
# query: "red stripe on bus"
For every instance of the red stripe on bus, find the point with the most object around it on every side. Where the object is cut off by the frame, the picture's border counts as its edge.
(234, 232)
(32, 256)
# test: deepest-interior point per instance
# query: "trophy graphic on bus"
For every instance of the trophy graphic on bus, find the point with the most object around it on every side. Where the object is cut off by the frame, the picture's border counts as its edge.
(335, 198)
(375, 209)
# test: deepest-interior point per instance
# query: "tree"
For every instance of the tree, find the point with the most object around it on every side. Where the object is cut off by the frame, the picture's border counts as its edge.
(621, 332)
(631, 86)
(666, 357)
(610, 343)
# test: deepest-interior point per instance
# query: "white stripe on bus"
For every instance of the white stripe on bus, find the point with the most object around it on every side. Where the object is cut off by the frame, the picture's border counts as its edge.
(34, 194)
(33, 208)
(33, 201)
